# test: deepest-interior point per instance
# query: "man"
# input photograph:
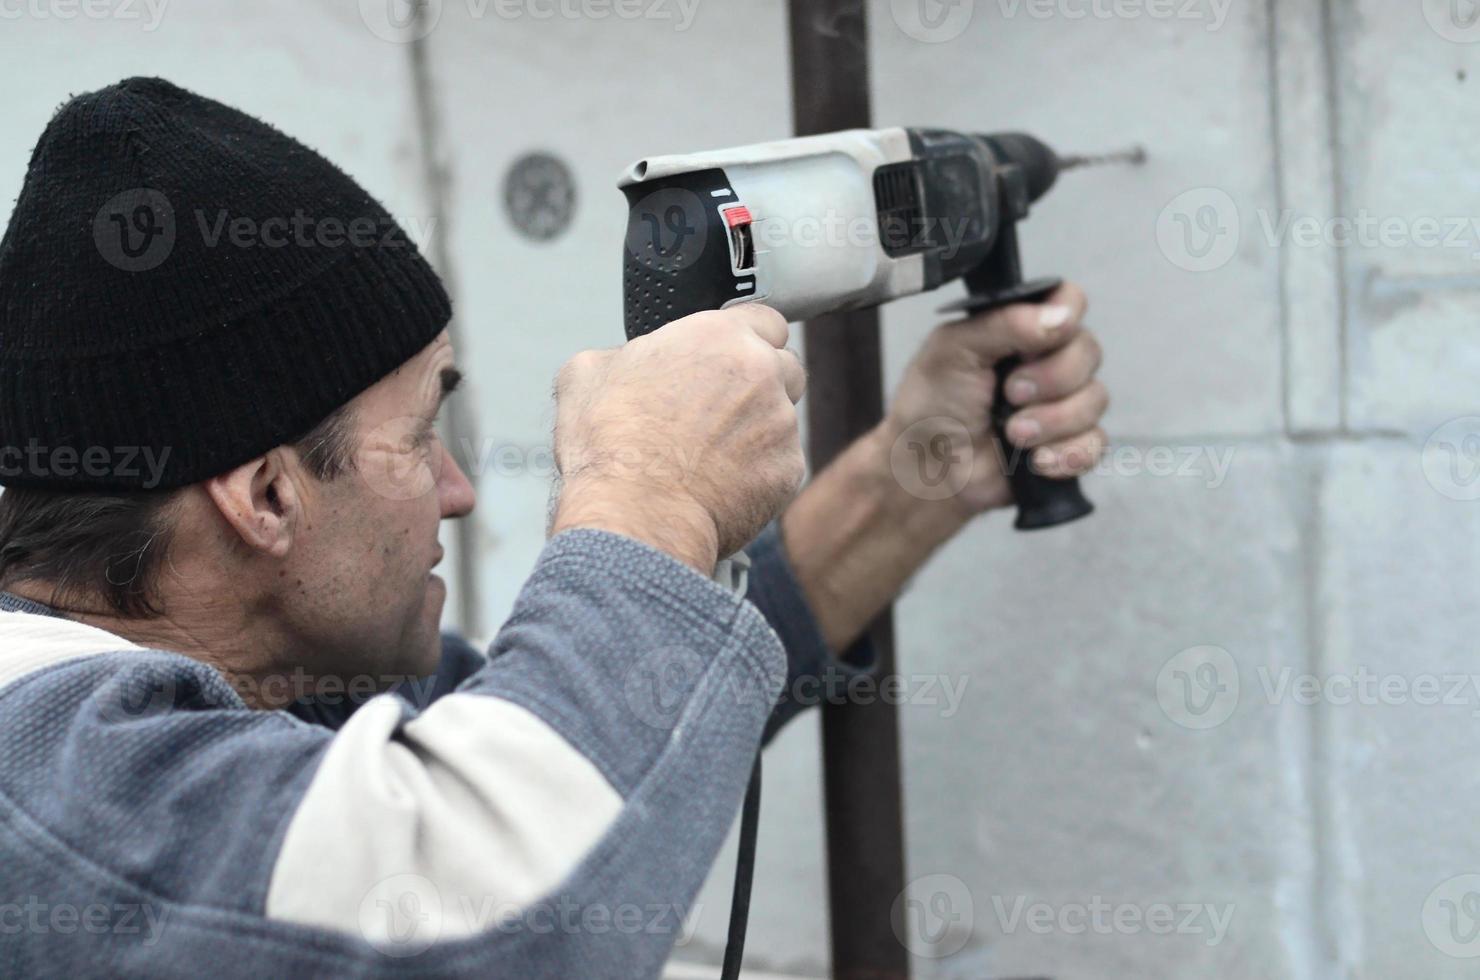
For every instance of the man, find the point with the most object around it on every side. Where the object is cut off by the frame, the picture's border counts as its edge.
(232, 741)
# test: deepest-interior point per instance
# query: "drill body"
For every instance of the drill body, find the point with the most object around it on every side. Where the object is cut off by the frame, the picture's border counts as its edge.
(822, 224)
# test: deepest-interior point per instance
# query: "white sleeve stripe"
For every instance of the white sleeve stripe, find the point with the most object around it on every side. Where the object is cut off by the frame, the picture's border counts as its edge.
(478, 807)
(32, 641)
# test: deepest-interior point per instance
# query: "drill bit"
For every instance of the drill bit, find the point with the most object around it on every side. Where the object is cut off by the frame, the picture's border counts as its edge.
(1134, 156)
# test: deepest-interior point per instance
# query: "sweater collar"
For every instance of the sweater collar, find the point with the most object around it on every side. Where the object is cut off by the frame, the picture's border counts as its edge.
(10, 602)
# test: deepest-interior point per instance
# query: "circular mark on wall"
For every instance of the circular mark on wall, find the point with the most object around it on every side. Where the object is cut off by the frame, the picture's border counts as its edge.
(540, 196)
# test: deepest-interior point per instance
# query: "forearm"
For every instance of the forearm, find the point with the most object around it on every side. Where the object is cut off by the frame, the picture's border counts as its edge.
(855, 536)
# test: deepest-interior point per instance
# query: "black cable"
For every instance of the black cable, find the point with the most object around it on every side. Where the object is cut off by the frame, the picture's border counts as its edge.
(750, 818)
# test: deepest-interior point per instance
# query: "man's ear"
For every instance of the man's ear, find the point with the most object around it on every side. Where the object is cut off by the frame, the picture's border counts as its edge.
(260, 502)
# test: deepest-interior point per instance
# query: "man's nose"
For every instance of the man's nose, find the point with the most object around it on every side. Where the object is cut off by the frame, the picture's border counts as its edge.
(454, 489)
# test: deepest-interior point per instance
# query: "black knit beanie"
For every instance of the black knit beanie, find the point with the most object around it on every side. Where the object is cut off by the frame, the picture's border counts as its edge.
(183, 287)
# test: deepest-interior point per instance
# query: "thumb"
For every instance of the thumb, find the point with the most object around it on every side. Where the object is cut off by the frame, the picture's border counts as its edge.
(1025, 329)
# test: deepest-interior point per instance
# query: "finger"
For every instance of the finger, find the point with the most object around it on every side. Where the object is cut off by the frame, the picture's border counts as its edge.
(793, 375)
(1058, 374)
(1074, 456)
(764, 320)
(1040, 425)
(1027, 329)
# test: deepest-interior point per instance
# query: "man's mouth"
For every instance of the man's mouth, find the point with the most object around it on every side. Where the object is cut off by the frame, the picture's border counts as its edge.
(440, 555)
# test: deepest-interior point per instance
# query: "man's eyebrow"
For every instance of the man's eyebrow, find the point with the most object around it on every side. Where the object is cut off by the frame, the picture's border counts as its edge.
(451, 379)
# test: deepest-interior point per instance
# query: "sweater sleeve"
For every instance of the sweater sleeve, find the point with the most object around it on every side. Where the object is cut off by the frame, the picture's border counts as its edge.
(814, 673)
(589, 769)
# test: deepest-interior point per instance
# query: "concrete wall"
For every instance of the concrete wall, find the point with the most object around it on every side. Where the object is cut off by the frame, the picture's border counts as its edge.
(1225, 727)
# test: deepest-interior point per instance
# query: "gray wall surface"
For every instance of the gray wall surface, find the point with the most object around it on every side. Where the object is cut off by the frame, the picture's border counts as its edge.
(1227, 727)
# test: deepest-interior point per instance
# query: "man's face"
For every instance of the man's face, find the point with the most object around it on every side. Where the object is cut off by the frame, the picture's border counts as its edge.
(367, 599)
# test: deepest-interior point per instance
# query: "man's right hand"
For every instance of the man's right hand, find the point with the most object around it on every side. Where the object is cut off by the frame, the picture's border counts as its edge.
(685, 438)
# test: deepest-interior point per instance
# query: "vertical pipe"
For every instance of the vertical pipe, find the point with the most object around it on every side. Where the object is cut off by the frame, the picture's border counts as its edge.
(845, 398)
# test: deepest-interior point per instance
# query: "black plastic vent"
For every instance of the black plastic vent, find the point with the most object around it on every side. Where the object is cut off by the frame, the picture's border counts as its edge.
(897, 197)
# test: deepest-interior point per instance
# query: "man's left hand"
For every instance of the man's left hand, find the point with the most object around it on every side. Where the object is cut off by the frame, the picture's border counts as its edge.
(947, 392)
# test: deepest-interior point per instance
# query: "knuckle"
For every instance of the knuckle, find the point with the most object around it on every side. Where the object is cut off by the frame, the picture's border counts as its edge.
(773, 315)
(1025, 324)
(1095, 349)
(1075, 294)
(1102, 396)
(575, 367)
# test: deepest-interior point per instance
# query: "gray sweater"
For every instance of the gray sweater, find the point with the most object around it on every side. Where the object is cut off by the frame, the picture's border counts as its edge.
(547, 809)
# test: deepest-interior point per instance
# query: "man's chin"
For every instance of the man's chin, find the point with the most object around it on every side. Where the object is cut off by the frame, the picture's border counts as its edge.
(431, 623)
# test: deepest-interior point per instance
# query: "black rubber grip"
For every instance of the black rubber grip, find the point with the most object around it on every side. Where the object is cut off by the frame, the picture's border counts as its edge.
(1041, 502)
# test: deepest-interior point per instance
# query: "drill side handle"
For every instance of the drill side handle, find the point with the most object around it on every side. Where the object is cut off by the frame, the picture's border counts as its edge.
(1042, 502)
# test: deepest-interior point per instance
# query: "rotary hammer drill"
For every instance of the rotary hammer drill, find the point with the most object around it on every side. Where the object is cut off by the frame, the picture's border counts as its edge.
(824, 224)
